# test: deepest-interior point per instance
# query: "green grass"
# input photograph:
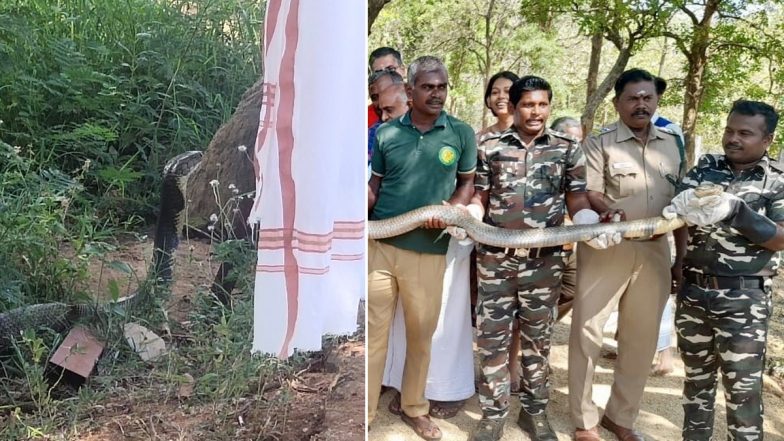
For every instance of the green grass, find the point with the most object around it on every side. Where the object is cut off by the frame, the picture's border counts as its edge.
(95, 96)
(123, 85)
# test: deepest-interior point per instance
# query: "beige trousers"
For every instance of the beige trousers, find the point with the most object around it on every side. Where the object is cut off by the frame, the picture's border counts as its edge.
(636, 277)
(417, 279)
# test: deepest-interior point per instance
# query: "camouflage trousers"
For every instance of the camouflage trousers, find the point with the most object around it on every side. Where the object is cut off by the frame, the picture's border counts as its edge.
(515, 288)
(723, 329)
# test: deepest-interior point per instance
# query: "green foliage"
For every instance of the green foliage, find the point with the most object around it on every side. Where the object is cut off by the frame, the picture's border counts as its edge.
(39, 209)
(551, 39)
(126, 85)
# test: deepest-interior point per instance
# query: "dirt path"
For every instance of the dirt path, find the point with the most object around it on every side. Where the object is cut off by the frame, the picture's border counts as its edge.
(324, 402)
(660, 418)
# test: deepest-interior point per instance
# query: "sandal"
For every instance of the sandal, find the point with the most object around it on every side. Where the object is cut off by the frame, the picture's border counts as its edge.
(423, 427)
(394, 405)
(445, 409)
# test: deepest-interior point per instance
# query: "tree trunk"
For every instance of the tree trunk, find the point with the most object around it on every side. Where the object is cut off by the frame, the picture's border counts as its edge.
(691, 101)
(695, 77)
(489, 40)
(595, 100)
(663, 58)
(374, 7)
(597, 40)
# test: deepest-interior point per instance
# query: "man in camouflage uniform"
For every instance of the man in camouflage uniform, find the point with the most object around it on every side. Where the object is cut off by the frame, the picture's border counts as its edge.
(723, 308)
(526, 176)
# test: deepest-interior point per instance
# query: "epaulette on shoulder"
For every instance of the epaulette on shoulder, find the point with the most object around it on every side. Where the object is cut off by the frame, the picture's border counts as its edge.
(564, 136)
(490, 139)
(666, 130)
(607, 129)
(778, 165)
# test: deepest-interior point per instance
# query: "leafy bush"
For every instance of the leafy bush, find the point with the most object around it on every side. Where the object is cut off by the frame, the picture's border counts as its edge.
(38, 210)
(126, 85)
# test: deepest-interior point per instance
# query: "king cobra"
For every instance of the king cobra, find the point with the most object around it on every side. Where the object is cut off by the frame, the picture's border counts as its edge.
(527, 238)
(60, 316)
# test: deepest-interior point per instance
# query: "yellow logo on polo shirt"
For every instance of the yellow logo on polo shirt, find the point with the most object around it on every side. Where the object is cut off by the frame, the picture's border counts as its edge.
(447, 155)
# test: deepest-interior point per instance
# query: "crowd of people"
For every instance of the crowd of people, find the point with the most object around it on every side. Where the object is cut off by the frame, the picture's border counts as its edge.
(427, 289)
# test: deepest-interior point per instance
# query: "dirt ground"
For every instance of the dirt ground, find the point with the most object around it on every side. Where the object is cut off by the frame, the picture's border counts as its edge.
(323, 402)
(660, 418)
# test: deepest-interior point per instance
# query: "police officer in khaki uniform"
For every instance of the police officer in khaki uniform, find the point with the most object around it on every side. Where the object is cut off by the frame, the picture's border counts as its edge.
(631, 170)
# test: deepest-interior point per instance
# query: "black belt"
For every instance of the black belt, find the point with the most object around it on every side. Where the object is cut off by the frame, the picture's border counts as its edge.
(724, 282)
(533, 253)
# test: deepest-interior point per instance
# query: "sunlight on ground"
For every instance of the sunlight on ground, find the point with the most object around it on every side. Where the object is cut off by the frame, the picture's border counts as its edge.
(660, 417)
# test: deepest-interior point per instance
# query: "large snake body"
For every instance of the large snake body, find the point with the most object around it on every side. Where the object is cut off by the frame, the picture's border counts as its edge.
(527, 238)
(531, 237)
(60, 316)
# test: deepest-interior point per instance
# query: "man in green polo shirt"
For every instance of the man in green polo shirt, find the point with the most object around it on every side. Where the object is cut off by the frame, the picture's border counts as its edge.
(422, 158)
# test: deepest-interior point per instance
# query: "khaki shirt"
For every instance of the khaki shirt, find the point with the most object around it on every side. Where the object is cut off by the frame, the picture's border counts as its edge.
(633, 175)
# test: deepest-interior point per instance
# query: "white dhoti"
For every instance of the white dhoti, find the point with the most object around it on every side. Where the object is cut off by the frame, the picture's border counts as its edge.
(451, 373)
(310, 197)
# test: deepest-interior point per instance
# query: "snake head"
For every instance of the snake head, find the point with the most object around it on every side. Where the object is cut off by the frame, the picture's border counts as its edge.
(708, 189)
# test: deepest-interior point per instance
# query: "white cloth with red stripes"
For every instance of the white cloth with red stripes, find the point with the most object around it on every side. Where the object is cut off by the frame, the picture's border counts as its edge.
(310, 183)
(451, 373)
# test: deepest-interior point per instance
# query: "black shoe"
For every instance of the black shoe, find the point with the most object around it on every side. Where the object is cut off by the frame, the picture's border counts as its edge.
(536, 426)
(489, 430)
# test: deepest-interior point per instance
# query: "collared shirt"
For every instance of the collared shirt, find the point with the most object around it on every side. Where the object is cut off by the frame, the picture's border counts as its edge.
(720, 250)
(527, 185)
(419, 169)
(636, 176)
(660, 121)
(372, 138)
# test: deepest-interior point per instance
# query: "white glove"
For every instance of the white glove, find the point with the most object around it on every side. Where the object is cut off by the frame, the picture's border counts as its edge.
(701, 211)
(602, 241)
(459, 233)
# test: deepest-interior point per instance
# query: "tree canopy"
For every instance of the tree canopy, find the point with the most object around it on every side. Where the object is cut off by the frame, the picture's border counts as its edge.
(710, 52)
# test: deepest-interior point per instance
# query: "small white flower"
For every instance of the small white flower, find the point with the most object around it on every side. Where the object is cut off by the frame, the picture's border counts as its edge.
(242, 148)
(213, 218)
(211, 228)
(232, 186)
(214, 183)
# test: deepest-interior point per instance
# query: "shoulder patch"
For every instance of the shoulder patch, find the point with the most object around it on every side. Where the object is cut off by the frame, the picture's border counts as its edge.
(778, 165)
(607, 129)
(564, 136)
(666, 130)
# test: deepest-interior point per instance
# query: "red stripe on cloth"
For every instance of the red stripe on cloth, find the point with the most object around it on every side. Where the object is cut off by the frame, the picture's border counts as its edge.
(339, 226)
(348, 236)
(271, 19)
(350, 224)
(347, 257)
(285, 134)
(311, 248)
(269, 268)
(314, 271)
(272, 245)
